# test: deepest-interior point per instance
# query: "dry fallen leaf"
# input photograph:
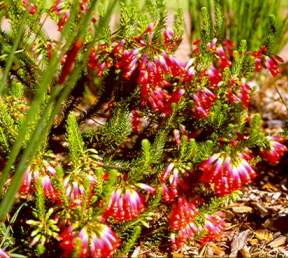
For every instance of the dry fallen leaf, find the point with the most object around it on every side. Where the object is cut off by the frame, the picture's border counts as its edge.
(263, 234)
(218, 251)
(239, 242)
(259, 206)
(270, 187)
(245, 252)
(278, 241)
(253, 241)
(242, 209)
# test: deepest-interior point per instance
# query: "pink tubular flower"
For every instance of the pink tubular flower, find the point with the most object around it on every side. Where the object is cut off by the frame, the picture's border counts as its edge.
(223, 59)
(49, 190)
(181, 219)
(26, 184)
(258, 60)
(45, 171)
(214, 77)
(75, 190)
(30, 7)
(146, 187)
(185, 234)
(94, 241)
(183, 212)
(170, 181)
(63, 20)
(276, 150)
(3, 254)
(203, 101)
(105, 243)
(213, 228)
(240, 93)
(125, 205)
(272, 64)
(225, 173)
(136, 121)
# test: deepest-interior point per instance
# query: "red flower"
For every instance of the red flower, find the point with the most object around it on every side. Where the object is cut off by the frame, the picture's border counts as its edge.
(70, 60)
(213, 228)
(63, 20)
(258, 60)
(183, 212)
(203, 101)
(225, 173)
(276, 150)
(272, 64)
(223, 59)
(33, 173)
(136, 121)
(170, 181)
(214, 77)
(30, 7)
(185, 234)
(3, 254)
(26, 183)
(93, 241)
(49, 190)
(76, 191)
(125, 205)
(240, 93)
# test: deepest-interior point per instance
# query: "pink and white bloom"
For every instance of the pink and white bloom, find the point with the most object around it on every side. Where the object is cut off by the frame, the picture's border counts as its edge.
(75, 190)
(213, 227)
(226, 173)
(183, 212)
(95, 241)
(204, 99)
(126, 204)
(3, 254)
(275, 151)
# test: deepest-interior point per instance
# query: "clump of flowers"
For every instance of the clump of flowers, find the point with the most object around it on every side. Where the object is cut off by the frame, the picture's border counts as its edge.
(226, 173)
(213, 227)
(94, 241)
(44, 172)
(76, 189)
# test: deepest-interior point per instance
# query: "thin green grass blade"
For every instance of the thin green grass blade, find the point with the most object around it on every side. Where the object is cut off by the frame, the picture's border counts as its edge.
(11, 56)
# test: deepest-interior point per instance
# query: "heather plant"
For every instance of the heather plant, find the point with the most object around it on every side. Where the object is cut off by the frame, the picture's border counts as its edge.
(111, 141)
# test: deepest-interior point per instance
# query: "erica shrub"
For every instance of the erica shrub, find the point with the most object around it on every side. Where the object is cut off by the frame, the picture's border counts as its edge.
(160, 147)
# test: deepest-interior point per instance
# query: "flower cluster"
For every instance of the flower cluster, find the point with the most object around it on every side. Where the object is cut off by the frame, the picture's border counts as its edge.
(126, 204)
(203, 101)
(30, 7)
(182, 213)
(43, 172)
(276, 150)
(270, 62)
(224, 53)
(181, 219)
(169, 183)
(75, 190)
(226, 173)
(152, 70)
(212, 229)
(240, 94)
(95, 241)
